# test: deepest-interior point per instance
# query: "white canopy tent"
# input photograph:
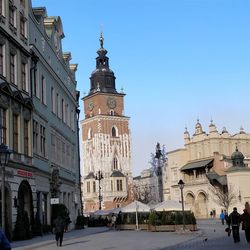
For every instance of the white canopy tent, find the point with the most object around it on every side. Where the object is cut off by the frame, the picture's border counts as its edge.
(135, 206)
(107, 212)
(170, 205)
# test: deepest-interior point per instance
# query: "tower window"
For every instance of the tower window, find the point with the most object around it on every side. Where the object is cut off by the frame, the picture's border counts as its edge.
(114, 132)
(119, 185)
(89, 133)
(115, 164)
(112, 113)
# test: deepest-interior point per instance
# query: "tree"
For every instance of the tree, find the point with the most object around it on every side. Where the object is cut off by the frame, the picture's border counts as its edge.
(143, 193)
(224, 197)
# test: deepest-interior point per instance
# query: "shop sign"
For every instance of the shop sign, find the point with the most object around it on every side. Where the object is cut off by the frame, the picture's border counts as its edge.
(24, 173)
(54, 201)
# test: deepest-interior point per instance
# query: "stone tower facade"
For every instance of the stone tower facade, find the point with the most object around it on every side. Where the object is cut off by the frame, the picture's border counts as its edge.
(106, 141)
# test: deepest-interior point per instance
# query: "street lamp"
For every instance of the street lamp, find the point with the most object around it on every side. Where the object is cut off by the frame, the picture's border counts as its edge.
(99, 177)
(181, 186)
(4, 159)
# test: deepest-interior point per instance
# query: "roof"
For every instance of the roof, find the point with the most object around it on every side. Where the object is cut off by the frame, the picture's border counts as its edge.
(135, 206)
(117, 173)
(196, 164)
(90, 176)
(222, 179)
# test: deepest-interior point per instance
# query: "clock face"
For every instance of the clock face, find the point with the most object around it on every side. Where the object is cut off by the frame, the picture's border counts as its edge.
(111, 102)
(91, 105)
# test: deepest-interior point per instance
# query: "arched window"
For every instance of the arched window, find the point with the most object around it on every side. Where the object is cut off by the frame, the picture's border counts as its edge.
(114, 132)
(112, 112)
(115, 164)
(89, 133)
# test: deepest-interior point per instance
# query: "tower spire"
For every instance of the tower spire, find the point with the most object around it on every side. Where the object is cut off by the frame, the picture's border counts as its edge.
(102, 78)
(101, 39)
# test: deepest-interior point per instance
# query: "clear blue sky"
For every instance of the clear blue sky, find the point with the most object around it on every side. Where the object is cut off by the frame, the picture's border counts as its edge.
(176, 60)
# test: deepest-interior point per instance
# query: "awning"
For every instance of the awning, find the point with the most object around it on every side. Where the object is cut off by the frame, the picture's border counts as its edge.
(196, 164)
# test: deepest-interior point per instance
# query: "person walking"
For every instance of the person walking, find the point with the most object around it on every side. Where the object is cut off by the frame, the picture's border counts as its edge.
(245, 219)
(4, 242)
(234, 220)
(222, 217)
(59, 224)
(113, 219)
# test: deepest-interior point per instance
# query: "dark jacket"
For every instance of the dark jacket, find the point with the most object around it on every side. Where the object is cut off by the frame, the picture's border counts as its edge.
(245, 218)
(234, 219)
(59, 224)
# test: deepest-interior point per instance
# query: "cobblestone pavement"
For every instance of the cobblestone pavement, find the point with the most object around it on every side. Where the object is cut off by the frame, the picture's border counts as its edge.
(210, 236)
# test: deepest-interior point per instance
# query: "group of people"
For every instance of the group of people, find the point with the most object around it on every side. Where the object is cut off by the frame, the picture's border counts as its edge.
(235, 219)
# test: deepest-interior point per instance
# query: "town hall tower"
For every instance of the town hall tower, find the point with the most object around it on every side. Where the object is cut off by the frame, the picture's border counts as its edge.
(106, 141)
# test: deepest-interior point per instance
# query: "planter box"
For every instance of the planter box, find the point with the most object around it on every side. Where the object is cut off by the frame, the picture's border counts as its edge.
(126, 227)
(143, 227)
(151, 228)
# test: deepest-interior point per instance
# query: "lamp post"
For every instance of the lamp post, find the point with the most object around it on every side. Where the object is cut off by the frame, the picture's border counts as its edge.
(4, 159)
(99, 177)
(181, 186)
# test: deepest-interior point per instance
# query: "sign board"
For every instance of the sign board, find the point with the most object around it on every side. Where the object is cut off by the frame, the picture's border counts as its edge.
(24, 173)
(54, 201)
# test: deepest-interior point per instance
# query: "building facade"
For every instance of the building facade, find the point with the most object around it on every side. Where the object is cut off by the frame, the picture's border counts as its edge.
(146, 187)
(106, 141)
(16, 107)
(202, 164)
(34, 75)
(55, 118)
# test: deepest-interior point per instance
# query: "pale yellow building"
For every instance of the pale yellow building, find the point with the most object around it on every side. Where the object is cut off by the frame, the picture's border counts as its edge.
(203, 164)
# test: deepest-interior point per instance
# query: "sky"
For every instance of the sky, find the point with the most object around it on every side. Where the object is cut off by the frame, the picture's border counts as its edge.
(177, 61)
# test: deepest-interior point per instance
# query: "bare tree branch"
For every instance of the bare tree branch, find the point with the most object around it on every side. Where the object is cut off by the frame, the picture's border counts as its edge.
(224, 198)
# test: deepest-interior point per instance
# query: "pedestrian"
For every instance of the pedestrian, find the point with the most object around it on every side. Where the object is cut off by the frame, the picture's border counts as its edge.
(113, 220)
(222, 217)
(234, 219)
(4, 242)
(211, 214)
(59, 225)
(245, 219)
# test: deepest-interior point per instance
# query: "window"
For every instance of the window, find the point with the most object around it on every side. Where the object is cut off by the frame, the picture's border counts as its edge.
(2, 7)
(2, 126)
(35, 136)
(114, 132)
(119, 185)
(89, 134)
(94, 187)
(22, 2)
(26, 137)
(12, 68)
(62, 110)
(24, 76)
(57, 104)
(88, 187)
(115, 164)
(12, 15)
(23, 26)
(111, 185)
(2, 59)
(52, 99)
(72, 120)
(67, 115)
(42, 140)
(43, 94)
(53, 147)
(112, 113)
(15, 133)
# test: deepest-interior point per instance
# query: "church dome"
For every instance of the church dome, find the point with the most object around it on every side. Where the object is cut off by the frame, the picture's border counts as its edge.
(237, 158)
(198, 128)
